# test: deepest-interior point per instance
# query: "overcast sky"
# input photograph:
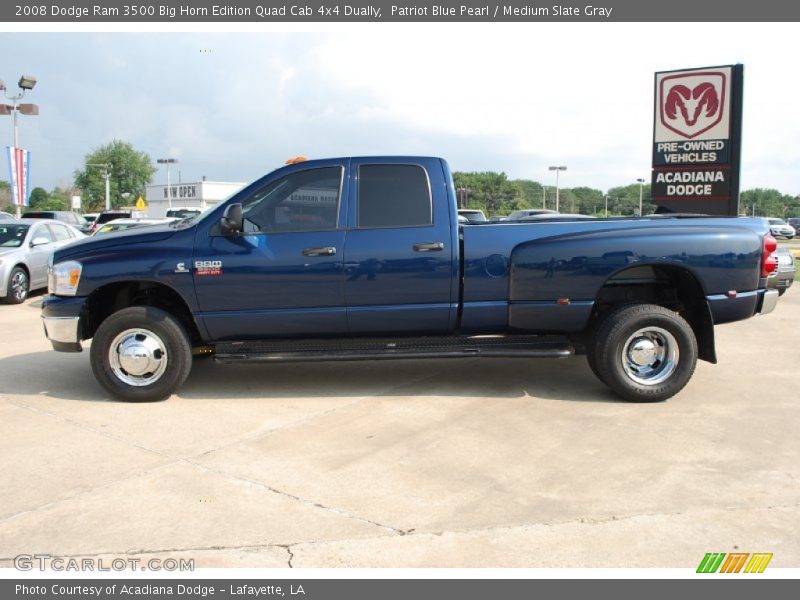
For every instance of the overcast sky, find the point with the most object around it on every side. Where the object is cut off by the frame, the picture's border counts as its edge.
(513, 98)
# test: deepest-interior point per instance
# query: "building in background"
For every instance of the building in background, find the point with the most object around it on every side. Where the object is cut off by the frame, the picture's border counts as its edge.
(201, 194)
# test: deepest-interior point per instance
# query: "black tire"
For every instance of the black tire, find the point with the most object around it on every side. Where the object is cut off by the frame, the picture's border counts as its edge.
(782, 291)
(645, 352)
(18, 286)
(162, 344)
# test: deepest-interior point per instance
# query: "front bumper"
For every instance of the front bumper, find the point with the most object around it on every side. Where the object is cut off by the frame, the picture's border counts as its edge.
(62, 322)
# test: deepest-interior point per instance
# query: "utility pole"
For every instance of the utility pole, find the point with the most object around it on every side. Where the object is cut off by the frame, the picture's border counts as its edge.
(106, 174)
(557, 170)
(26, 84)
(168, 162)
(641, 186)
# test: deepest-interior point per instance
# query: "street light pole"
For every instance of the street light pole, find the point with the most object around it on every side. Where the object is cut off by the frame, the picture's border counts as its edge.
(26, 82)
(557, 169)
(641, 186)
(106, 174)
(544, 196)
(168, 162)
(606, 206)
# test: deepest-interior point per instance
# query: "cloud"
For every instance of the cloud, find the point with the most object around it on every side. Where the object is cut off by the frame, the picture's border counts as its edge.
(489, 96)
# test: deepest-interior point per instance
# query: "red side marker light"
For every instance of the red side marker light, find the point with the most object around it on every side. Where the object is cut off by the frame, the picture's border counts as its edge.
(562, 301)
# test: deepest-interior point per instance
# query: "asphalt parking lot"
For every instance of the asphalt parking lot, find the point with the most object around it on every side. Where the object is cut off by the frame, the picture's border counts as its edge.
(462, 463)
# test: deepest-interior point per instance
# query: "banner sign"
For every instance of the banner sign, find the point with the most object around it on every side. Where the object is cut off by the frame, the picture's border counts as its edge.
(697, 140)
(19, 164)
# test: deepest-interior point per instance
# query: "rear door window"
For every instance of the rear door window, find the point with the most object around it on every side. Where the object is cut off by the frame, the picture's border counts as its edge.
(60, 233)
(393, 196)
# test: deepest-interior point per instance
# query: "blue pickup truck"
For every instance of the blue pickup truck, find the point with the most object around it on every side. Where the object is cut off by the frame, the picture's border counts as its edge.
(365, 258)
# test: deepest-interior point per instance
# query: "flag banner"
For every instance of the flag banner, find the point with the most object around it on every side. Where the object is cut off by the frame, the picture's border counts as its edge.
(19, 168)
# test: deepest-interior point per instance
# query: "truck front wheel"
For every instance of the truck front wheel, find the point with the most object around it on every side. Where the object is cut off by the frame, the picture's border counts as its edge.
(645, 352)
(141, 354)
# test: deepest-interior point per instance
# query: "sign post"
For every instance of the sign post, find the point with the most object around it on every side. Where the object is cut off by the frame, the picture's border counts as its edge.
(697, 137)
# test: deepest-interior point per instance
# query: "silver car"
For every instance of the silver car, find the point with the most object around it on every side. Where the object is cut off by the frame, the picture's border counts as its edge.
(25, 247)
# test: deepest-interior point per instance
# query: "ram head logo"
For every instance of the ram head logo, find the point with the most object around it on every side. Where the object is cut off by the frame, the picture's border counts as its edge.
(692, 103)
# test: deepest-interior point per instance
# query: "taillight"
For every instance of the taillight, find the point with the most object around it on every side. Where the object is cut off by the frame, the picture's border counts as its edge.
(769, 262)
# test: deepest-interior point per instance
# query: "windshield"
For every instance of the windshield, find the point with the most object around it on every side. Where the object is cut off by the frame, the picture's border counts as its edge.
(776, 222)
(12, 236)
(191, 219)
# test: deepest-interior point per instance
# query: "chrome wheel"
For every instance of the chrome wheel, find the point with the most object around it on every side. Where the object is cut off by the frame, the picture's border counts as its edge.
(19, 285)
(138, 357)
(650, 355)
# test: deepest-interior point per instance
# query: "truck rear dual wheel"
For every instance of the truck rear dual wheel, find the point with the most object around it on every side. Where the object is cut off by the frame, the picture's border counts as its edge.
(644, 352)
(141, 354)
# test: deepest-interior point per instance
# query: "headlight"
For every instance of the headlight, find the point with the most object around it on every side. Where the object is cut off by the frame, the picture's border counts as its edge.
(63, 278)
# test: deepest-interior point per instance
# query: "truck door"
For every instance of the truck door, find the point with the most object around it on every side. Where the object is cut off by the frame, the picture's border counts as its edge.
(283, 275)
(399, 255)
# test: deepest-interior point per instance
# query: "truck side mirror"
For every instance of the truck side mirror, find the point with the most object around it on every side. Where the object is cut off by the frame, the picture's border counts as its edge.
(232, 221)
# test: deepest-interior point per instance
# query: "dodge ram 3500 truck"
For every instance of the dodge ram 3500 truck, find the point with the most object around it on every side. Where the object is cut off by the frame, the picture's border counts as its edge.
(364, 258)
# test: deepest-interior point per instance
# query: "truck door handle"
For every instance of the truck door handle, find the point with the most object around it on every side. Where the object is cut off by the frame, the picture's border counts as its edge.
(319, 251)
(429, 247)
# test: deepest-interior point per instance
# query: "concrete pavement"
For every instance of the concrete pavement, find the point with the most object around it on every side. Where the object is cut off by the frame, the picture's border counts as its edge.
(409, 463)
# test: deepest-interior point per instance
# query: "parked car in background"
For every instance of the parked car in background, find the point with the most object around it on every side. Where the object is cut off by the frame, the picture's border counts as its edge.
(794, 222)
(123, 224)
(181, 212)
(472, 215)
(554, 216)
(25, 247)
(88, 221)
(65, 216)
(4, 216)
(529, 212)
(780, 228)
(783, 278)
(498, 218)
(117, 213)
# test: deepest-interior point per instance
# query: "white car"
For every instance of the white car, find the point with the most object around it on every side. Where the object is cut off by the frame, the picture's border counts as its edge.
(25, 247)
(123, 224)
(780, 228)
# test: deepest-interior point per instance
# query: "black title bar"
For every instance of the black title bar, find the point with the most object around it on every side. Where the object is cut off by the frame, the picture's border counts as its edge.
(332, 11)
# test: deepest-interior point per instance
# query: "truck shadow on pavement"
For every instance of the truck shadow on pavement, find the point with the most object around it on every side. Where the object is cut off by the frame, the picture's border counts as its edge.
(69, 377)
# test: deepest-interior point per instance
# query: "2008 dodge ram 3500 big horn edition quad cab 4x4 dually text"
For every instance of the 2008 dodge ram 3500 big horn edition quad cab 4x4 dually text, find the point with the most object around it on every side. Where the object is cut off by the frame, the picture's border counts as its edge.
(364, 258)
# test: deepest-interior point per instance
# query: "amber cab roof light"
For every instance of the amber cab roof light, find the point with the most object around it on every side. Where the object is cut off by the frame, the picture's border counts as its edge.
(296, 159)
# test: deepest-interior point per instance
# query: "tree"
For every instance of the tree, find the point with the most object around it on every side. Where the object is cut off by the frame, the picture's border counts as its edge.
(131, 171)
(40, 199)
(5, 197)
(624, 200)
(768, 202)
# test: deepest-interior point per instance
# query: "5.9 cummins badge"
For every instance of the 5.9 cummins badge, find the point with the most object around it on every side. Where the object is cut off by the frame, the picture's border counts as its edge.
(696, 140)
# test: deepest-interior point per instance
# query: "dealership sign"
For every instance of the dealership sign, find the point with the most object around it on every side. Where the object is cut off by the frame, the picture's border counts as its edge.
(19, 161)
(697, 140)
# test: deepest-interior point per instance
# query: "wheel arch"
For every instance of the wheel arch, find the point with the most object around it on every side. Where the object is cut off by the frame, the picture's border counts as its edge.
(673, 286)
(111, 297)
